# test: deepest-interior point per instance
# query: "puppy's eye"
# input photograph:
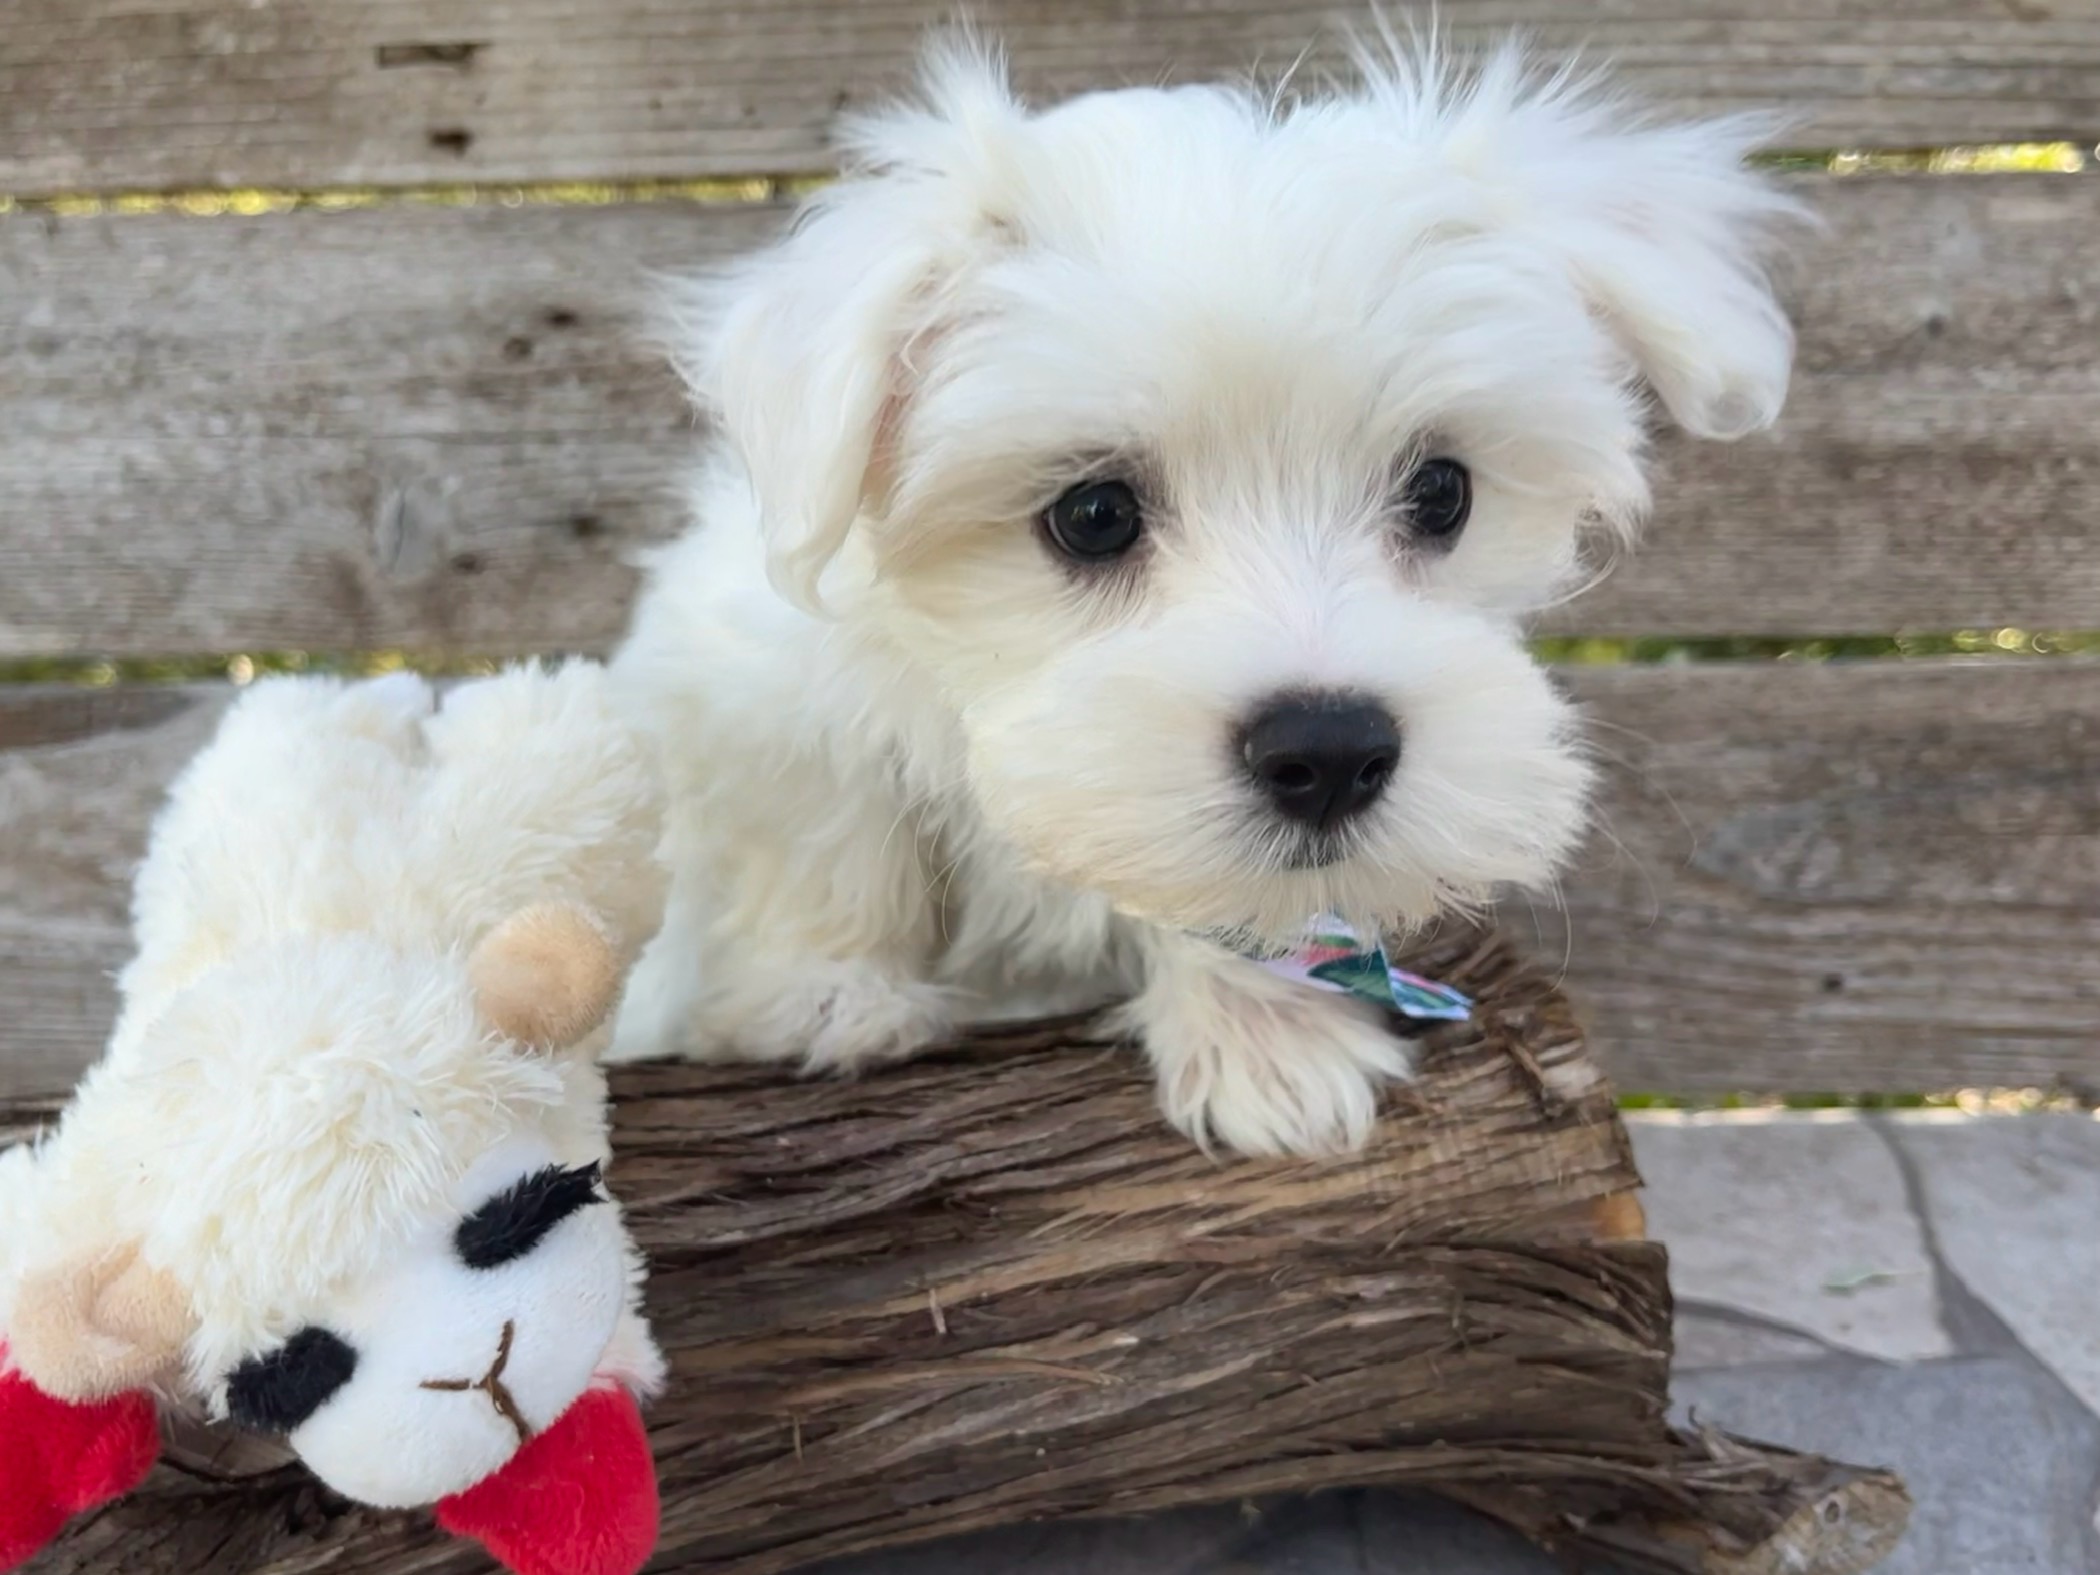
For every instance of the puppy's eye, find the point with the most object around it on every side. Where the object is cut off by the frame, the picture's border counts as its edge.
(1095, 521)
(1437, 497)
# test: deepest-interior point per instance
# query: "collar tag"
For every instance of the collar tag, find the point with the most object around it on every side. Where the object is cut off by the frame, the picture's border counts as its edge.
(1334, 957)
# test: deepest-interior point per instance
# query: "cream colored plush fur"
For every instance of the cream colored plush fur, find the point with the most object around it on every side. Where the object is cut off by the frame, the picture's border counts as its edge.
(301, 1095)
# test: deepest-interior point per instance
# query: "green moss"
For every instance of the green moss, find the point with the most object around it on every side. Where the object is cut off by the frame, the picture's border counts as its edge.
(255, 201)
(1580, 651)
(2033, 158)
(1611, 652)
(241, 667)
(251, 201)
(1964, 1099)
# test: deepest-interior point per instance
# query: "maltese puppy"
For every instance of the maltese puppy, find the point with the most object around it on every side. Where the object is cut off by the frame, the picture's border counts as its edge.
(1115, 554)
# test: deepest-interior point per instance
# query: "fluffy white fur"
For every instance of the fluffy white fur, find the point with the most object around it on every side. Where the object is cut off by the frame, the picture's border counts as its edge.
(918, 766)
(300, 1100)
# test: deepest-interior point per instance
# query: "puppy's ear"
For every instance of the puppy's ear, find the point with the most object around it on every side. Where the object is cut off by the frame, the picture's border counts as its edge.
(803, 350)
(1662, 227)
(98, 1325)
(1666, 231)
(546, 976)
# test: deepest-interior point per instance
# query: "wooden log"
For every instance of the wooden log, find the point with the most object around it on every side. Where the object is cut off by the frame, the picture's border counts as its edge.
(991, 1286)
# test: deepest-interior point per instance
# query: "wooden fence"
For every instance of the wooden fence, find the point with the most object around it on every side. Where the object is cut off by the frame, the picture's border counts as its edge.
(425, 425)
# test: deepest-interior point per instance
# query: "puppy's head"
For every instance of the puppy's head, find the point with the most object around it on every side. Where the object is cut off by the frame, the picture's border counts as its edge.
(1206, 449)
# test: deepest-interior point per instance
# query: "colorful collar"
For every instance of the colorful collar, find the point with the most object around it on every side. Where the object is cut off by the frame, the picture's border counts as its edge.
(1334, 957)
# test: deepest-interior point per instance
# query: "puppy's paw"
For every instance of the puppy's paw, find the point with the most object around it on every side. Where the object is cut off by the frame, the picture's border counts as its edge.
(685, 998)
(658, 1007)
(846, 1015)
(831, 1016)
(1263, 1065)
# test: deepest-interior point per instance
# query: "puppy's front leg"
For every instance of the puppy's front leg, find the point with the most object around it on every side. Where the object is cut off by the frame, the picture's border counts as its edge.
(1257, 1062)
(800, 927)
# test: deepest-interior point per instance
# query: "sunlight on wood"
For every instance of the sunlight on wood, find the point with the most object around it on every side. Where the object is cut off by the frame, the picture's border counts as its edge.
(253, 201)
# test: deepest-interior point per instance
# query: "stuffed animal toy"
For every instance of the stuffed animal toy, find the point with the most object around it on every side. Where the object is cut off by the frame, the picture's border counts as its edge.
(337, 1176)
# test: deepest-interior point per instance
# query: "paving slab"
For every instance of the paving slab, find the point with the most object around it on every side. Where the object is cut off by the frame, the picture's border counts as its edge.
(2013, 1205)
(2003, 1463)
(1725, 1337)
(1801, 1220)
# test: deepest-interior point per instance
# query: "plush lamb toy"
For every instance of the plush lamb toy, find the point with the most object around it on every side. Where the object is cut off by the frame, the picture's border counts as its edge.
(337, 1175)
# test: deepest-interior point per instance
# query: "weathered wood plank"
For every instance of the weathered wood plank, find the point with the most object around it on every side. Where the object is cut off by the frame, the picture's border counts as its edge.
(1938, 463)
(432, 427)
(409, 426)
(1852, 877)
(81, 773)
(1874, 877)
(102, 94)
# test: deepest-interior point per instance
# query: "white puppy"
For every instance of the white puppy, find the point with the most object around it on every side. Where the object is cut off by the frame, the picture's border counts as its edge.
(1116, 554)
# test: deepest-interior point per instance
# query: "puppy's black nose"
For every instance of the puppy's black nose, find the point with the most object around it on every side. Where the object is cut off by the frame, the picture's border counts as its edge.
(1321, 758)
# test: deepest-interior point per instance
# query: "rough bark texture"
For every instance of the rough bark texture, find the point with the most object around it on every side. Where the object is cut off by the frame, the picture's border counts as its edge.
(990, 1286)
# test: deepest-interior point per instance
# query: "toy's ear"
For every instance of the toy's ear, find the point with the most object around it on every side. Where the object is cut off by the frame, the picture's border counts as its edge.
(98, 1326)
(546, 976)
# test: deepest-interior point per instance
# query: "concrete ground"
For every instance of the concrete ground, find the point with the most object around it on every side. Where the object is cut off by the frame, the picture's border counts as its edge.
(1920, 1291)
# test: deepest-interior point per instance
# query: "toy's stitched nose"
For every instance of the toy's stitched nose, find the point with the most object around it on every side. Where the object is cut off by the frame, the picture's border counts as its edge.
(1319, 759)
(491, 1384)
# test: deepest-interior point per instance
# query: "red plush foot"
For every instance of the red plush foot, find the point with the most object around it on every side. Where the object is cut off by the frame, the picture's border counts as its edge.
(580, 1499)
(58, 1459)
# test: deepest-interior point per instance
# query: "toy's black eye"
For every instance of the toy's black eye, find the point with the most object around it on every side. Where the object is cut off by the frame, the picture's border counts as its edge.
(513, 1222)
(1096, 520)
(1438, 496)
(277, 1391)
